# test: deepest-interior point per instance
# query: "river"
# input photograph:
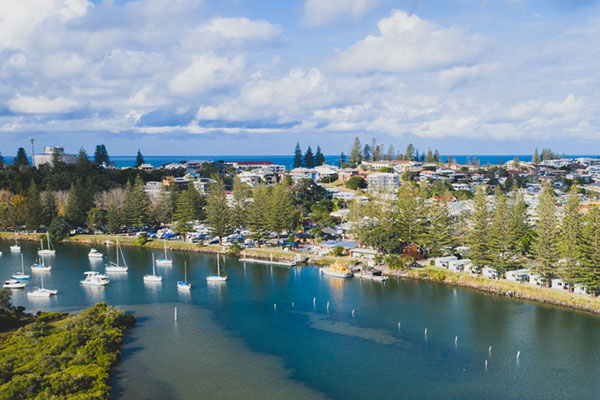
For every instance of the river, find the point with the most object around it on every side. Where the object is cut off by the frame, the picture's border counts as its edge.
(245, 339)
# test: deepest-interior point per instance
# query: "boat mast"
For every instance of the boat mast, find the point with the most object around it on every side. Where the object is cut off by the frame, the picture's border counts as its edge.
(185, 272)
(22, 265)
(218, 265)
(165, 243)
(153, 267)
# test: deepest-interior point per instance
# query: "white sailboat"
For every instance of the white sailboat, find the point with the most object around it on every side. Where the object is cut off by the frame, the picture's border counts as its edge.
(15, 247)
(95, 254)
(94, 278)
(183, 285)
(153, 277)
(112, 267)
(165, 261)
(42, 292)
(218, 277)
(41, 267)
(50, 250)
(14, 284)
(22, 276)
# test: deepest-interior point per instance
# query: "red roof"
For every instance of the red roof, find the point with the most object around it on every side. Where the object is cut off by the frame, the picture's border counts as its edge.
(251, 162)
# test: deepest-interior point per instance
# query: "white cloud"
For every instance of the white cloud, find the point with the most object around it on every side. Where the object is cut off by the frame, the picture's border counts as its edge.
(455, 76)
(41, 105)
(207, 72)
(322, 12)
(407, 42)
(241, 28)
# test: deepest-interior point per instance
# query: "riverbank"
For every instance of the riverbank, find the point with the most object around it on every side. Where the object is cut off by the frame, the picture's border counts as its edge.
(503, 287)
(63, 357)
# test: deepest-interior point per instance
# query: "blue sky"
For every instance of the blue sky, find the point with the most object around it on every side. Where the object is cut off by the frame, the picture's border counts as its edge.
(254, 77)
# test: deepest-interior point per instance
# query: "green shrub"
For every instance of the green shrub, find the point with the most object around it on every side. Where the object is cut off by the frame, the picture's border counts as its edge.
(337, 251)
(142, 239)
(356, 182)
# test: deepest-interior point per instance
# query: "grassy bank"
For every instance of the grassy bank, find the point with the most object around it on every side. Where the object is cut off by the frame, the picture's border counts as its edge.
(503, 287)
(66, 358)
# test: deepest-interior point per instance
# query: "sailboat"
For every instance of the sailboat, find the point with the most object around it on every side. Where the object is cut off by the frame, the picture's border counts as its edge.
(153, 277)
(49, 251)
(183, 285)
(165, 261)
(21, 276)
(112, 267)
(218, 277)
(41, 292)
(15, 247)
(40, 267)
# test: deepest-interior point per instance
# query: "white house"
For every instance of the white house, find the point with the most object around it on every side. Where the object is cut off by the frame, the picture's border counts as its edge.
(559, 284)
(491, 273)
(460, 265)
(383, 180)
(367, 254)
(537, 280)
(443, 262)
(518, 275)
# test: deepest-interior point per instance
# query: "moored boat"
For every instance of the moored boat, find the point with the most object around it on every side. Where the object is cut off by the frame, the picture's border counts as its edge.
(41, 267)
(14, 284)
(48, 251)
(337, 270)
(218, 277)
(94, 278)
(21, 276)
(116, 267)
(95, 254)
(164, 261)
(153, 277)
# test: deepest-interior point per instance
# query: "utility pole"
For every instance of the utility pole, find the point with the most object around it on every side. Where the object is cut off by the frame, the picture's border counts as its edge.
(32, 139)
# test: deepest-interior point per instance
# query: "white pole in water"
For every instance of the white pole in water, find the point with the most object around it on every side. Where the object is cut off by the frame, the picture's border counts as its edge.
(292, 304)
(175, 314)
(518, 354)
(425, 331)
(399, 324)
(327, 306)
(314, 301)
(490, 350)
(275, 307)
(352, 313)
(455, 339)
(485, 364)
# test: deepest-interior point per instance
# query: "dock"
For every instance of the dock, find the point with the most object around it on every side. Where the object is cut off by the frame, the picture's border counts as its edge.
(261, 261)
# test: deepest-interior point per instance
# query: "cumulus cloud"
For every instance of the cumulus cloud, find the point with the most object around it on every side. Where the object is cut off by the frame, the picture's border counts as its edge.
(241, 28)
(322, 12)
(407, 42)
(41, 105)
(207, 72)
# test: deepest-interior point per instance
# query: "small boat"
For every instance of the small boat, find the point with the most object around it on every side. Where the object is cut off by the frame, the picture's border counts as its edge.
(15, 247)
(40, 267)
(95, 254)
(183, 285)
(42, 292)
(374, 275)
(165, 261)
(336, 270)
(94, 278)
(14, 284)
(49, 251)
(115, 267)
(21, 276)
(218, 277)
(153, 277)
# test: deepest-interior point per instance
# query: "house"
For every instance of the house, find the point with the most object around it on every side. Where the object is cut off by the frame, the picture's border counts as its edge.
(490, 273)
(537, 280)
(367, 254)
(248, 165)
(518, 275)
(346, 173)
(443, 262)
(460, 265)
(249, 178)
(153, 187)
(49, 153)
(327, 246)
(302, 173)
(559, 284)
(415, 251)
(383, 181)
(146, 167)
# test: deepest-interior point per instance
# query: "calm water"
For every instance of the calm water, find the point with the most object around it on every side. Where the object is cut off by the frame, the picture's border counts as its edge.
(230, 342)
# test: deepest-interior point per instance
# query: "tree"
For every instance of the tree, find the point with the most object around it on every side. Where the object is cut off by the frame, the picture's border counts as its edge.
(356, 182)
(367, 152)
(571, 231)
(163, 207)
(536, 157)
(436, 156)
(391, 153)
(21, 158)
(342, 160)
(184, 213)
(217, 210)
(309, 159)
(319, 157)
(96, 218)
(48, 211)
(590, 273)
(521, 230)
(33, 207)
(502, 247)
(79, 202)
(101, 155)
(476, 162)
(239, 207)
(136, 211)
(377, 156)
(280, 211)
(59, 229)
(545, 244)
(409, 153)
(258, 208)
(114, 219)
(298, 156)
(429, 157)
(478, 236)
(355, 153)
(305, 193)
(139, 159)
(410, 214)
(2, 162)
(438, 234)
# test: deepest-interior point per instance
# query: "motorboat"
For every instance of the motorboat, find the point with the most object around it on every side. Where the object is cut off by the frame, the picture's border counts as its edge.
(21, 276)
(14, 284)
(95, 254)
(165, 261)
(116, 267)
(94, 278)
(153, 277)
(218, 277)
(337, 270)
(48, 251)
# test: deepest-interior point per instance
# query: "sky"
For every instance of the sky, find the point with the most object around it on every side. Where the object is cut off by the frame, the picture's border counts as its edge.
(237, 77)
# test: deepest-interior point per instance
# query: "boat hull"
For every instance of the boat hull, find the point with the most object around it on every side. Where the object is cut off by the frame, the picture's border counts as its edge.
(46, 252)
(216, 278)
(335, 274)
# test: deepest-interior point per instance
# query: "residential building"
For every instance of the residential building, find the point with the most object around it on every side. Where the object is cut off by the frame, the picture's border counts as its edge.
(48, 156)
(383, 181)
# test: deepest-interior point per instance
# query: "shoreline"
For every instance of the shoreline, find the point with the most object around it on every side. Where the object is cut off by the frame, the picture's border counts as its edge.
(521, 291)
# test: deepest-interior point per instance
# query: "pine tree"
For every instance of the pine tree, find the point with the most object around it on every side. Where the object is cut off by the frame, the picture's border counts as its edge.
(309, 159)
(101, 155)
(96, 218)
(79, 202)
(163, 208)
(377, 156)
(342, 160)
(409, 153)
(2, 162)
(571, 230)
(257, 223)
(21, 158)
(298, 156)
(184, 213)
(545, 244)
(410, 214)
(367, 152)
(429, 157)
(319, 157)
(48, 211)
(590, 273)
(476, 162)
(355, 153)
(501, 243)
(438, 235)
(33, 206)
(139, 159)
(521, 230)
(239, 208)
(437, 157)
(280, 210)
(217, 210)
(478, 236)
(391, 153)
(137, 205)
(114, 219)
(536, 157)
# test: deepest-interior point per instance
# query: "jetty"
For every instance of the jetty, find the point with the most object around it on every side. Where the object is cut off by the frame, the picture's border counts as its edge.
(297, 260)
